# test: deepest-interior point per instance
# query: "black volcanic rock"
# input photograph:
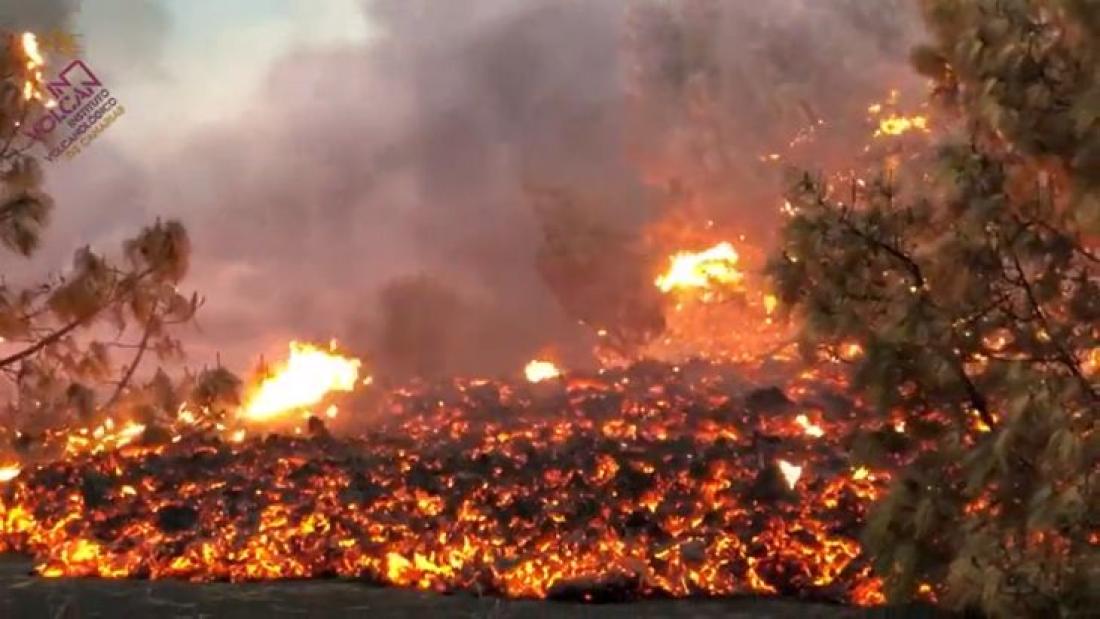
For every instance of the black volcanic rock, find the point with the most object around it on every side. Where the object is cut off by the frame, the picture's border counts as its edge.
(175, 518)
(768, 400)
(612, 588)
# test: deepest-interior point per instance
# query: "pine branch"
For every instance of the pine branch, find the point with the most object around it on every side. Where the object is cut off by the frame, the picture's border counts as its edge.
(142, 347)
(1068, 359)
(56, 335)
(46, 341)
(910, 265)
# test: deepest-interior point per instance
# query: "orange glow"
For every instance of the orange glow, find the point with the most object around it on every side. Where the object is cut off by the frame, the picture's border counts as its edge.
(307, 376)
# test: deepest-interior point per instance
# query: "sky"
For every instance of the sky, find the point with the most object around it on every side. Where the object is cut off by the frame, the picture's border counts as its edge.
(185, 64)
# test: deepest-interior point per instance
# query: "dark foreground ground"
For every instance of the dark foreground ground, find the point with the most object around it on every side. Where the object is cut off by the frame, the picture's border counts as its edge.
(24, 596)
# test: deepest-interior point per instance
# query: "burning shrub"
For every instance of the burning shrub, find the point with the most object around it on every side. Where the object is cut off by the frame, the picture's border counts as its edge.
(969, 278)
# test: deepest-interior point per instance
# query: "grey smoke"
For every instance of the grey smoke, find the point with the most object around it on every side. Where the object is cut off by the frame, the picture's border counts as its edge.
(36, 15)
(361, 169)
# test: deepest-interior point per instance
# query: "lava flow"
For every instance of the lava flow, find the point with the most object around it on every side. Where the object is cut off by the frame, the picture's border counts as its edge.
(651, 480)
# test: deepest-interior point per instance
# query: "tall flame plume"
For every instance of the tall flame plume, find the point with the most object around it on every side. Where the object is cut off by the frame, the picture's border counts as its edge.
(307, 376)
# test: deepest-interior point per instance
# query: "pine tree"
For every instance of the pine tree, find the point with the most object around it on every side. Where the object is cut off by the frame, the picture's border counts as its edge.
(60, 336)
(969, 276)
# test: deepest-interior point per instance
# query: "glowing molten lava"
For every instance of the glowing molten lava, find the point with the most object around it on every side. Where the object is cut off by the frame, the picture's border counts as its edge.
(651, 473)
(308, 375)
(716, 266)
(538, 371)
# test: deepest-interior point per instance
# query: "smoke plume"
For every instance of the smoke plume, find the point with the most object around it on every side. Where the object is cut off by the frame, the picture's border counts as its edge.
(379, 193)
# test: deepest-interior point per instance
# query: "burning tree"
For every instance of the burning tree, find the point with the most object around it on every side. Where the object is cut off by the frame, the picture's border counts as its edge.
(969, 278)
(59, 335)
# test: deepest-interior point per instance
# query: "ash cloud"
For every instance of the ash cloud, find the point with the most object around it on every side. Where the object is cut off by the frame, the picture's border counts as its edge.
(377, 192)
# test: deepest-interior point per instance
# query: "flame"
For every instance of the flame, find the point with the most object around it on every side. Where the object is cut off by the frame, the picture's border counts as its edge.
(538, 371)
(30, 50)
(9, 472)
(895, 125)
(307, 376)
(791, 472)
(35, 62)
(705, 269)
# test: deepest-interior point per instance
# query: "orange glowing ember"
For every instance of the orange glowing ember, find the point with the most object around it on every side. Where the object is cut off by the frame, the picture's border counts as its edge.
(770, 303)
(308, 375)
(850, 351)
(1091, 363)
(716, 266)
(809, 427)
(538, 371)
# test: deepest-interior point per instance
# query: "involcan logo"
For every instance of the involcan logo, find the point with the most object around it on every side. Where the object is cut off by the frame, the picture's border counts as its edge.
(79, 110)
